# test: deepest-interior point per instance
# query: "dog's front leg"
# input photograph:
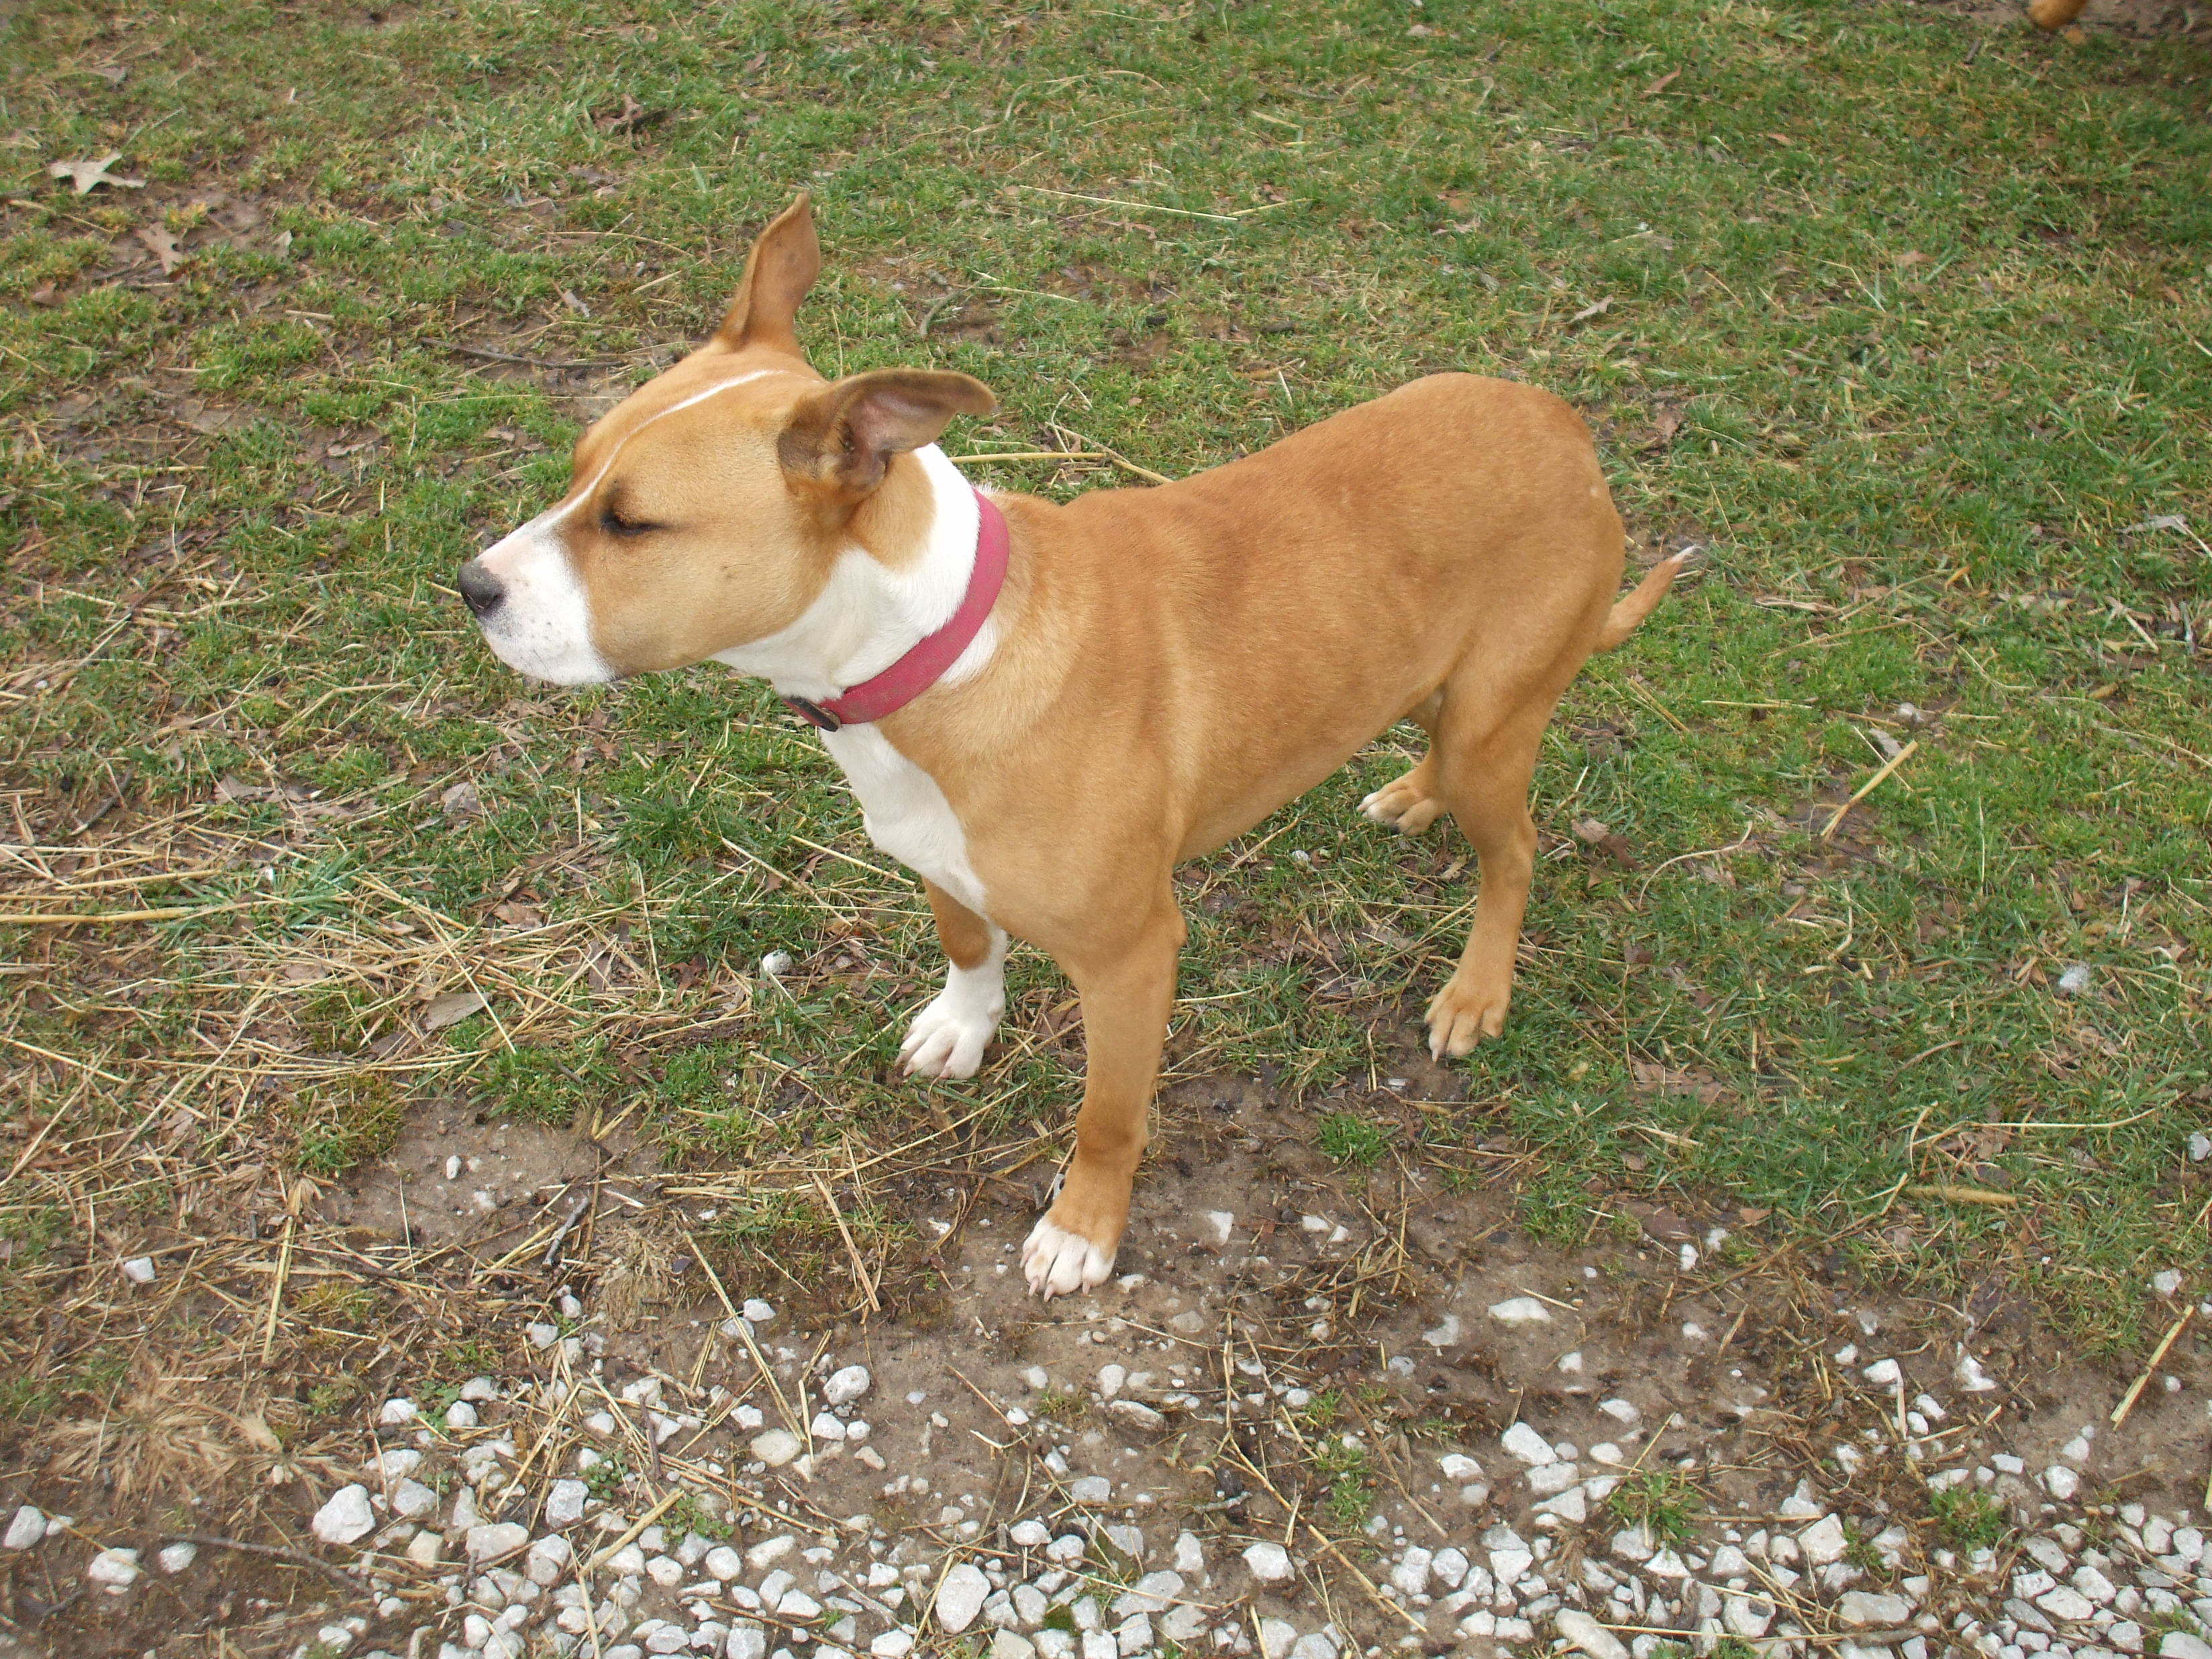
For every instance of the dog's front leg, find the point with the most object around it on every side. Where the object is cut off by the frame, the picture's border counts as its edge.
(947, 1038)
(1126, 982)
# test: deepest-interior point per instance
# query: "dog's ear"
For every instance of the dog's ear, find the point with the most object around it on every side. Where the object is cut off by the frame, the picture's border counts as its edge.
(782, 265)
(845, 434)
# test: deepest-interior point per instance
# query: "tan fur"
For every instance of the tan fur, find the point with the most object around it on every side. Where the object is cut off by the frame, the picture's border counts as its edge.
(1172, 663)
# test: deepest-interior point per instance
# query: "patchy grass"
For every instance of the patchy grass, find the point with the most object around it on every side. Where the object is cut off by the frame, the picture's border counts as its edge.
(1910, 337)
(1969, 1519)
(1663, 1502)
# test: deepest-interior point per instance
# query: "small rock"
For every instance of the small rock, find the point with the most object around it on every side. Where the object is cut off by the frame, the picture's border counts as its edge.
(395, 1414)
(776, 1447)
(1277, 1636)
(2180, 1644)
(960, 1597)
(1621, 1411)
(139, 1270)
(724, 1563)
(846, 1386)
(2200, 1147)
(1090, 1489)
(2061, 1482)
(1268, 1562)
(757, 1314)
(27, 1529)
(1530, 1447)
(770, 1551)
(564, 1504)
(1884, 1373)
(460, 1415)
(411, 1500)
(1586, 1633)
(1136, 1415)
(776, 963)
(2166, 1282)
(175, 1559)
(346, 1517)
(2074, 979)
(487, 1541)
(1459, 1469)
(114, 1571)
(1969, 1375)
(1868, 1610)
(1824, 1541)
(1520, 1311)
(1008, 1644)
(1224, 1221)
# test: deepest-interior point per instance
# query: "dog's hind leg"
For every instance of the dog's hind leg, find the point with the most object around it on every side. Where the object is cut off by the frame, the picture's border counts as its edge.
(948, 1037)
(1409, 803)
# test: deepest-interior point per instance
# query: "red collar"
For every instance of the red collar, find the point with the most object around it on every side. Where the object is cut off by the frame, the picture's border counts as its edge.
(925, 664)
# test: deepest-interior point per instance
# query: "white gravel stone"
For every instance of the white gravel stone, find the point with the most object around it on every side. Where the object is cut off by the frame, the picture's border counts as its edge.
(1884, 1373)
(411, 1500)
(2061, 1482)
(173, 1558)
(1621, 1411)
(724, 1563)
(346, 1516)
(776, 1447)
(1586, 1633)
(1411, 1574)
(139, 1270)
(491, 1539)
(1520, 1310)
(460, 1415)
(1869, 1609)
(1277, 1636)
(395, 1414)
(1090, 1489)
(1314, 1644)
(1824, 1541)
(1268, 1562)
(1030, 1535)
(846, 1386)
(1530, 1447)
(960, 1597)
(891, 1644)
(2066, 1602)
(28, 1529)
(1224, 1221)
(565, 1502)
(1459, 1469)
(114, 1571)
(1747, 1616)
(1969, 1375)
(2180, 1644)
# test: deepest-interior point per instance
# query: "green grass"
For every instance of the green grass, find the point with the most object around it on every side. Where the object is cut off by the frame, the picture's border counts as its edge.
(1908, 336)
(1663, 1502)
(1968, 1520)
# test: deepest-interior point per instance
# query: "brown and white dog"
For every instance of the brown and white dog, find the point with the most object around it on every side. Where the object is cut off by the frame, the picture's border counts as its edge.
(1138, 677)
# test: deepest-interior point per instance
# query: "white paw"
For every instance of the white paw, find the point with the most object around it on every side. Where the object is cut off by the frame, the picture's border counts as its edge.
(1060, 1263)
(1372, 806)
(948, 1037)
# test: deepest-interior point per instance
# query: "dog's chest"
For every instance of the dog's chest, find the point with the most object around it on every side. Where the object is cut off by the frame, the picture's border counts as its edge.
(906, 813)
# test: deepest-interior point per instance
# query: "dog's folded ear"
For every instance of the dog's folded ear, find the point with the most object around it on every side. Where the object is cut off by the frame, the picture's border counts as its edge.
(784, 262)
(845, 434)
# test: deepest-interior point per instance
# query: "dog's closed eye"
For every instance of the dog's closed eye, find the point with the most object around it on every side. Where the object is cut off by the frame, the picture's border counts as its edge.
(618, 523)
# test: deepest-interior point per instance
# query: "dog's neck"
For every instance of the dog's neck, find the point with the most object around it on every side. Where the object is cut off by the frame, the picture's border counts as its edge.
(870, 613)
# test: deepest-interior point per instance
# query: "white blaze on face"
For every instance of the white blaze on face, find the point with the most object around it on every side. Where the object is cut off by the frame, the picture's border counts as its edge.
(542, 626)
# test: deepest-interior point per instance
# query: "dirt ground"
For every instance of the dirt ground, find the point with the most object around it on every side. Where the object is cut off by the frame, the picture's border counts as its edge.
(1288, 1330)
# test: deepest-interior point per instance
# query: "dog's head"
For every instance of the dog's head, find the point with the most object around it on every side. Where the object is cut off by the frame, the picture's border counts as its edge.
(705, 511)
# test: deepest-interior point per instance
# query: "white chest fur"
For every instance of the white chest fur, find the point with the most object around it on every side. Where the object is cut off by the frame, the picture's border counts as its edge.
(906, 813)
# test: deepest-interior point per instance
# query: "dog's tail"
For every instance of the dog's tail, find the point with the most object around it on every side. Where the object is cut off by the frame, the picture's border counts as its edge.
(1634, 609)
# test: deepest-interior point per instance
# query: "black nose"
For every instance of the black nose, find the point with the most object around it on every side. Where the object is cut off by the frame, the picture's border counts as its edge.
(480, 589)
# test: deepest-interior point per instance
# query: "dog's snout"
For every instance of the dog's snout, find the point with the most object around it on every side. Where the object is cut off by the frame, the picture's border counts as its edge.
(480, 590)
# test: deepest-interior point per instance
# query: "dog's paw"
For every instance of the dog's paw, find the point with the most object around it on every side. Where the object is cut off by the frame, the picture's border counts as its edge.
(1404, 804)
(948, 1037)
(1460, 1016)
(1058, 1262)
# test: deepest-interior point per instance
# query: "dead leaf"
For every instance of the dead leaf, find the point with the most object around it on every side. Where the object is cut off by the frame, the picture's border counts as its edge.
(44, 295)
(1422, 31)
(163, 245)
(113, 74)
(452, 1009)
(1912, 256)
(569, 299)
(229, 788)
(1590, 311)
(1660, 1224)
(85, 175)
(1662, 84)
(462, 801)
(516, 913)
(633, 117)
(1665, 423)
(338, 452)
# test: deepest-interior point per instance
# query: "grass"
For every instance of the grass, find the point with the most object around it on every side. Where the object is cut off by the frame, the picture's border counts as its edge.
(1910, 337)
(1663, 1502)
(1968, 1520)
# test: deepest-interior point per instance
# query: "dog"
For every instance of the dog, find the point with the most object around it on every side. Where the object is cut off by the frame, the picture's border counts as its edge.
(1045, 708)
